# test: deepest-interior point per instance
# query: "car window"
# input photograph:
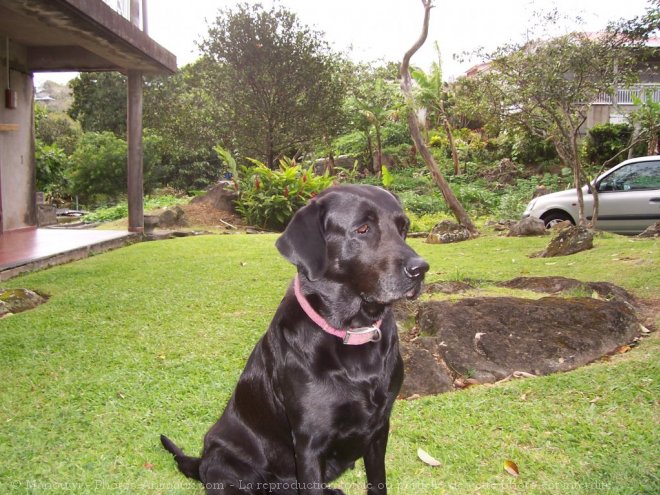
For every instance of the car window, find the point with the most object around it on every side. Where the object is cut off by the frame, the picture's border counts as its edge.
(634, 177)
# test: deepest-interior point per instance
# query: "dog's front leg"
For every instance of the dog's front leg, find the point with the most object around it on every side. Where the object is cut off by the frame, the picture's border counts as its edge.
(374, 463)
(310, 469)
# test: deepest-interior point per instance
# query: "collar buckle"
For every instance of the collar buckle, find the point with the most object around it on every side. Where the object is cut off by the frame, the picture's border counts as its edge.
(362, 335)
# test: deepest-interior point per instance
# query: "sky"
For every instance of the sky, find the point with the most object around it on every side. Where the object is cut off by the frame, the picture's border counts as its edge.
(372, 30)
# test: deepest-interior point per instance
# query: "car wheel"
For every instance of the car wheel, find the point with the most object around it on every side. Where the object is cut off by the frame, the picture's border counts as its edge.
(555, 217)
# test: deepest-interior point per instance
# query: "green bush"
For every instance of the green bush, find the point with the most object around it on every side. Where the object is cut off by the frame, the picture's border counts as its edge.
(523, 148)
(422, 204)
(98, 166)
(107, 214)
(120, 210)
(269, 198)
(475, 198)
(51, 163)
(606, 140)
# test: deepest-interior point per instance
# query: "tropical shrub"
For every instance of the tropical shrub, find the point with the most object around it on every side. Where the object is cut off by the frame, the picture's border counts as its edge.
(269, 198)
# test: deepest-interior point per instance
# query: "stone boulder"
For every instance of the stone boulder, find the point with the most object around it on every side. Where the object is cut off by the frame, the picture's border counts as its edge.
(446, 232)
(221, 196)
(651, 231)
(172, 217)
(19, 300)
(569, 241)
(500, 225)
(527, 227)
(487, 339)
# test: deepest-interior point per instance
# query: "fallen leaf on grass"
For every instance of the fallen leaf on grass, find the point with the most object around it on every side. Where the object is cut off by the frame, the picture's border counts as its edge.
(623, 349)
(511, 468)
(426, 458)
(148, 465)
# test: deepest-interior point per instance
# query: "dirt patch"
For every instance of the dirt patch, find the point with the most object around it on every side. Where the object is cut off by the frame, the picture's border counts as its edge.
(487, 339)
(207, 216)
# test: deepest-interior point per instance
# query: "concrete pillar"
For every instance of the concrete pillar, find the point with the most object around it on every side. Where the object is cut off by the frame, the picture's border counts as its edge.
(135, 153)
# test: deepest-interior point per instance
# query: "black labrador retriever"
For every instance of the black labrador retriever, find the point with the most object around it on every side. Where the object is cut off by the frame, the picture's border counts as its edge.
(317, 391)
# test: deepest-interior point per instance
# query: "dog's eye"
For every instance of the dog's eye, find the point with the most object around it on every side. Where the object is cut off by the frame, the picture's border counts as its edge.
(363, 229)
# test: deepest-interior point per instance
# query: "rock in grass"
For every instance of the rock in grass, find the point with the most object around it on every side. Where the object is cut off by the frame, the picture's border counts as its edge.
(526, 227)
(651, 231)
(569, 241)
(18, 300)
(446, 232)
(173, 217)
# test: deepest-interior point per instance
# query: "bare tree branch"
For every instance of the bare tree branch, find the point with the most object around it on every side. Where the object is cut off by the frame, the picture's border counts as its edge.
(416, 134)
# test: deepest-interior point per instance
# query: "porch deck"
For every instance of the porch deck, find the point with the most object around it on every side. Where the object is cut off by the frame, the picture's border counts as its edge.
(30, 250)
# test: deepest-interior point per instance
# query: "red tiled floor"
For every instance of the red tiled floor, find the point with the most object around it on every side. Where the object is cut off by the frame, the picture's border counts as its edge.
(22, 247)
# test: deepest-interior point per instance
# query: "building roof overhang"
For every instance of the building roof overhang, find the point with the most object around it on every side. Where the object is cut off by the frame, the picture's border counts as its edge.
(80, 35)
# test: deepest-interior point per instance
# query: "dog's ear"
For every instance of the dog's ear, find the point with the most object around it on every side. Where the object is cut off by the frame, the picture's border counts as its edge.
(303, 242)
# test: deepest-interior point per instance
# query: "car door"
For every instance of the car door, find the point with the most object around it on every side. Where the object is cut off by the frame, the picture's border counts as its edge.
(629, 198)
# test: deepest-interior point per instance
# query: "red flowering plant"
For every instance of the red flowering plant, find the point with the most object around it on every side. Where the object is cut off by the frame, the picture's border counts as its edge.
(269, 198)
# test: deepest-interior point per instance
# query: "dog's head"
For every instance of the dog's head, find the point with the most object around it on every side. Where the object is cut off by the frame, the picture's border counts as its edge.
(355, 235)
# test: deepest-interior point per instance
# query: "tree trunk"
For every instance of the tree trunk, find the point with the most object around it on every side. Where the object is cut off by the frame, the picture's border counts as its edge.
(450, 137)
(416, 134)
(370, 147)
(452, 146)
(653, 145)
(378, 165)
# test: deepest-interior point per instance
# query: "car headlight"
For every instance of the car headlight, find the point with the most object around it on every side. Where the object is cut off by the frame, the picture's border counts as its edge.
(530, 206)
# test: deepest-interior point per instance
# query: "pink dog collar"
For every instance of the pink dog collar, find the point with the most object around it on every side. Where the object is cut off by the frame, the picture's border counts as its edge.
(356, 336)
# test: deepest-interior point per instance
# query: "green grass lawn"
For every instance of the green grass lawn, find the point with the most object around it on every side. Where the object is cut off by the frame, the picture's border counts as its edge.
(151, 338)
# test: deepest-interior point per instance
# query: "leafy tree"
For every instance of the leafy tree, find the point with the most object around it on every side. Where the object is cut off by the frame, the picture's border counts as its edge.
(99, 102)
(546, 88)
(55, 128)
(276, 81)
(378, 102)
(98, 166)
(183, 113)
(642, 27)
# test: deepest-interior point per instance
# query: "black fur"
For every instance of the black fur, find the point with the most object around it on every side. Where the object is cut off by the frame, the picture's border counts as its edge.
(307, 406)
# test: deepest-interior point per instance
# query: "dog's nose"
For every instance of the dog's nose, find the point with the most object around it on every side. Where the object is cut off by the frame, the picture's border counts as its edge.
(416, 268)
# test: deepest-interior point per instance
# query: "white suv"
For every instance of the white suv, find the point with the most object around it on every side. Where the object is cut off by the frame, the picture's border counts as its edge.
(628, 199)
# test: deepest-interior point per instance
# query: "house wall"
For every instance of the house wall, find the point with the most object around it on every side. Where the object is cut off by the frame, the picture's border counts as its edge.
(17, 167)
(597, 114)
